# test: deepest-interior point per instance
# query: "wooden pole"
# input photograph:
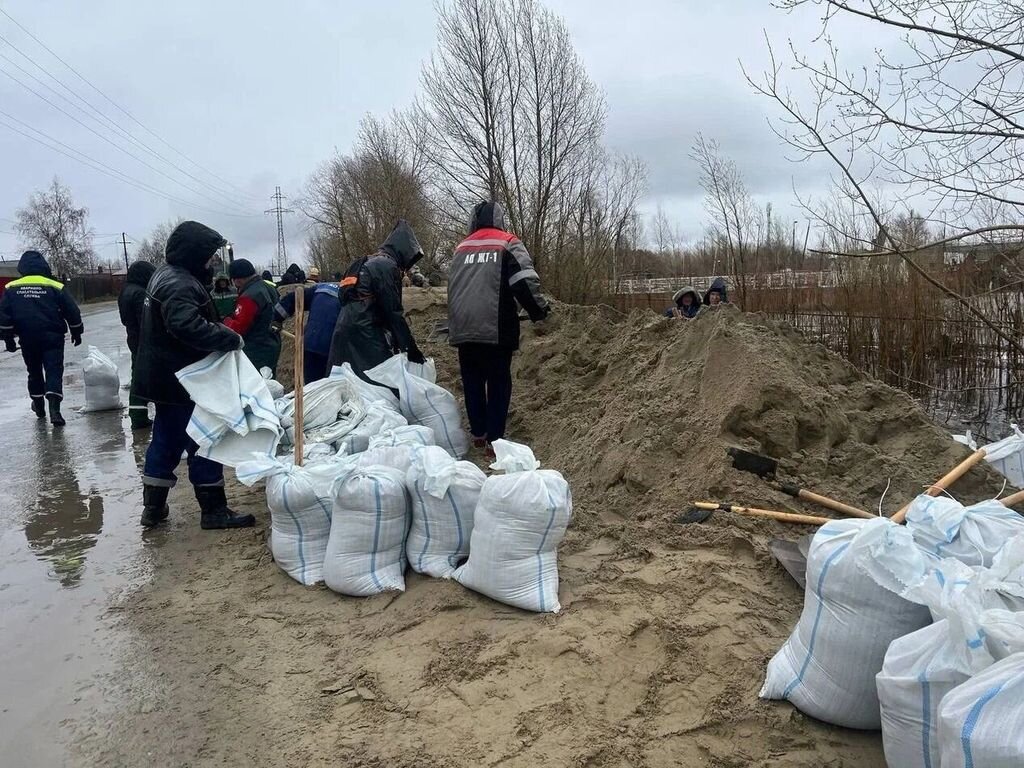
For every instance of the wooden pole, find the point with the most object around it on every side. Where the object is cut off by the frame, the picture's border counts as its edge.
(945, 481)
(785, 517)
(297, 378)
(1014, 498)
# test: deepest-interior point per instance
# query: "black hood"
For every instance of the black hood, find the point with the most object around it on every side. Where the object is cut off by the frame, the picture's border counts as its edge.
(487, 215)
(139, 273)
(33, 263)
(718, 286)
(403, 246)
(191, 245)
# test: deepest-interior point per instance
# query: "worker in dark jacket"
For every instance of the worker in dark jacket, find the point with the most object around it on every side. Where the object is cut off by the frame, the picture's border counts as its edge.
(268, 279)
(253, 319)
(38, 310)
(685, 303)
(371, 326)
(129, 306)
(180, 327)
(323, 303)
(224, 295)
(716, 294)
(490, 273)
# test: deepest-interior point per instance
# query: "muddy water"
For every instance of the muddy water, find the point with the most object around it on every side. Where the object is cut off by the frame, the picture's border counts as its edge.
(69, 545)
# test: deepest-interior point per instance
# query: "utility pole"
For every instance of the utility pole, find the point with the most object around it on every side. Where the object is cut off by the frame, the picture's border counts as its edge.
(279, 210)
(124, 243)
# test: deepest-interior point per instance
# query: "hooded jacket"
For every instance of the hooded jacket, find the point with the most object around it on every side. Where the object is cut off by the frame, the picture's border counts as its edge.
(717, 286)
(36, 308)
(490, 272)
(179, 321)
(371, 326)
(131, 299)
(677, 303)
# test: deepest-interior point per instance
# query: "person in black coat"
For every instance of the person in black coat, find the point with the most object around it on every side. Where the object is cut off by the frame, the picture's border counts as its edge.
(38, 310)
(372, 327)
(180, 327)
(129, 306)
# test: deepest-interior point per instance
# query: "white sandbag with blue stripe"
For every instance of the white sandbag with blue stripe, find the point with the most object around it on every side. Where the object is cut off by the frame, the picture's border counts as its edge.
(981, 722)
(423, 402)
(519, 521)
(378, 419)
(827, 667)
(444, 494)
(299, 500)
(369, 521)
(413, 434)
(946, 528)
(921, 668)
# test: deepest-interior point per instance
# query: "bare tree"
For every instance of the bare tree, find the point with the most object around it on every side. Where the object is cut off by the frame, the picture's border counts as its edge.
(52, 224)
(152, 247)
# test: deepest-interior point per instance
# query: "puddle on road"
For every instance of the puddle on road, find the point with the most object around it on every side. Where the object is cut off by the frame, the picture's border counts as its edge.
(70, 544)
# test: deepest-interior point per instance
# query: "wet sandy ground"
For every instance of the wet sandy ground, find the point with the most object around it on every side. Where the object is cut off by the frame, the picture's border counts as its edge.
(69, 548)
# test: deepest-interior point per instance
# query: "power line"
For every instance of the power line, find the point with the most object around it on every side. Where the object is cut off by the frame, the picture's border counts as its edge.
(103, 168)
(117, 106)
(114, 145)
(104, 121)
(282, 256)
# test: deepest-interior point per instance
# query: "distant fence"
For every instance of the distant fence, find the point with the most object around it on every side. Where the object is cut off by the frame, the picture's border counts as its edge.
(773, 281)
(94, 287)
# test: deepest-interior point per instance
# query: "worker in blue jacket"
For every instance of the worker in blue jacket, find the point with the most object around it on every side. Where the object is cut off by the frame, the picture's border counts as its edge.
(37, 310)
(323, 302)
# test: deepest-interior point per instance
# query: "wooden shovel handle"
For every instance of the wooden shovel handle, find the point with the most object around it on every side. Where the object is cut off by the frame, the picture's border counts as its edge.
(785, 517)
(945, 481)
(825, 501)
(298, 360)
(1012, 499)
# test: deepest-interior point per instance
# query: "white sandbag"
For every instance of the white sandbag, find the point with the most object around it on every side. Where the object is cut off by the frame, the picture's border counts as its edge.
(102, 385)
(424, 403)
(275, 388)
(369, 392)
(444, 494)
(378, 420)
(369, 520)
(299, 500)
(322, 401)
(519, 521)
(920, 668)
(349, 418)
(413, 434)
(981, 722)
(946, 528)
(395, 456)
(827, 667)
(1007, 456)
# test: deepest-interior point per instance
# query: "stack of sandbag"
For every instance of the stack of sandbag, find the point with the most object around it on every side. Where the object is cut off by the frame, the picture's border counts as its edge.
(969, 605)
(423, 402)
(299, 500)
(828, 665)
(973, 535)
(444, 495)
(413, 434)
(369, 520)
(102, 385)
(395, 447)
(519, 521)
(981, 722)
(367, 391)
(322, 402)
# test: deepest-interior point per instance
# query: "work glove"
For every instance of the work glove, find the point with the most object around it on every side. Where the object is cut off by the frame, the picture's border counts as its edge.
(415, 356)
(11, 346)
(548, 324)
(76, 339)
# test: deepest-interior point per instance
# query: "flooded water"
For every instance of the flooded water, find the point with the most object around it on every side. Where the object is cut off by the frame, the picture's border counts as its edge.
(69, 544)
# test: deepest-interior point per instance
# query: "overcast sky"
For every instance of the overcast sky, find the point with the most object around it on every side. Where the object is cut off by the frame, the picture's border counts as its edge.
(260, 92)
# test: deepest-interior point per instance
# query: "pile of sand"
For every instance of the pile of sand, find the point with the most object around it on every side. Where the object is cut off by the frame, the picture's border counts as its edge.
(659, 652)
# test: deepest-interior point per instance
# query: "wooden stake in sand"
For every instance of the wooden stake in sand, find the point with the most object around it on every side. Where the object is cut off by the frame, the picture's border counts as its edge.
(944, 482)
(299, 358)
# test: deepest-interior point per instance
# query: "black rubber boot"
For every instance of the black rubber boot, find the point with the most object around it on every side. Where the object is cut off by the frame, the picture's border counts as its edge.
(39, 407)
(55, 418)
(139, 419)
(215, 511)
(154, 505)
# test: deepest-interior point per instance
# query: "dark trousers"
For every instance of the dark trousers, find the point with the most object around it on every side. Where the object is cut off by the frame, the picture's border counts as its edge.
(487, 385)
(45, 371)
(138, 407)
(314, 366)
(168, 441)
